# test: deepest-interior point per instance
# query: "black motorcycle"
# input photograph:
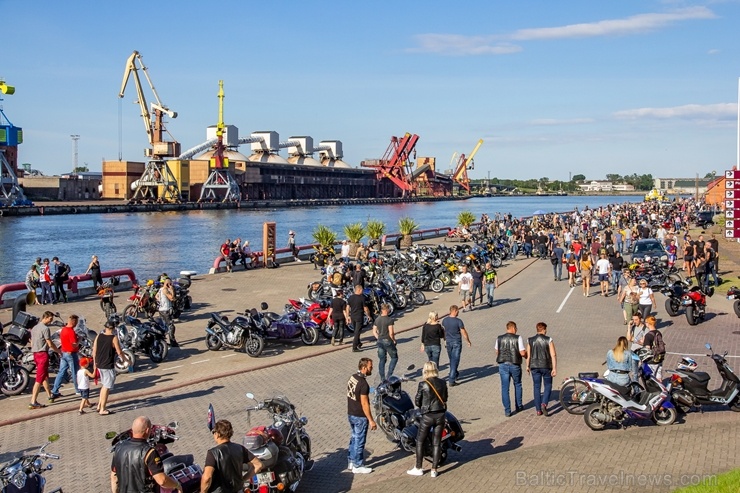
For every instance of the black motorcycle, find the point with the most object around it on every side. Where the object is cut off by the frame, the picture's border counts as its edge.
(237, 334)
(25, 473)
(148, 337)
(690, 388)
(13, 377)
(733, 294)
(395, 414)
(674, 291)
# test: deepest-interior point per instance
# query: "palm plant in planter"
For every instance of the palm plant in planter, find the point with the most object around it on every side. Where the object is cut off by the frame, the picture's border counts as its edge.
(354, 233)
(406, 226)
(324, 237)
(465, 219)
(375, 229)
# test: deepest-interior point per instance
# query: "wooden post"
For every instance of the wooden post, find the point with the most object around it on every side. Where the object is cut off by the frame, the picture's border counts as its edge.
(268, 242)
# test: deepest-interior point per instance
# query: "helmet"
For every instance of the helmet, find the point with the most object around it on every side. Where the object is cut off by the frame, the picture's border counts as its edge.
(150, 282)
(687, 364)
(645, 354)
(394, 384)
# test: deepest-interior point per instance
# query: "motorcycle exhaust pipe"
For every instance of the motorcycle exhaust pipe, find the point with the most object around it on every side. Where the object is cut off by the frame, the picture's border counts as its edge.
(455, 447)
(210, 331)
(683, 399)
(602, 417)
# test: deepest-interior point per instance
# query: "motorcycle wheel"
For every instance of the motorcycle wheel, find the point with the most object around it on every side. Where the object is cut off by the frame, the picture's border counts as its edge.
(254, 346)
(108, 308)
(437, 285)
(122, 367)
(442, 456)
(158, 351)
(665, 416)
(590, 418)
(418, 298)
(309, 336)
(14, 385)
(131, 311)
(691, 317)
(400, 301)
(28, 363)
(575, 396)
(672, 306)
(313, 295)
(446, 279)
(736, 307)
(326, 330)
(496, 262)
(213, 343)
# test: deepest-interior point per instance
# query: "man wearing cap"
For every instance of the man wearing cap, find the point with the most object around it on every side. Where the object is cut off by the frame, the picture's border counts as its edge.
(105, 348)
(291, 245)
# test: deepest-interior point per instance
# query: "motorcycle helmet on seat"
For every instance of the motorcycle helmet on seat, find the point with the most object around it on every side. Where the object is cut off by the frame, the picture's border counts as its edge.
(687, 364)
(394, 384)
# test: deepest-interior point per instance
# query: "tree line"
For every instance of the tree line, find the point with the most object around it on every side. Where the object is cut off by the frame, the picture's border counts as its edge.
(640, 182)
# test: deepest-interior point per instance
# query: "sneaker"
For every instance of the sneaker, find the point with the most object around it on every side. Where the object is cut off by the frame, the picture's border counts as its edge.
(56, 395)
(361, 470)
(415, 472)
(434, 474)
(51, 400)
(35, 405)
(350, 466)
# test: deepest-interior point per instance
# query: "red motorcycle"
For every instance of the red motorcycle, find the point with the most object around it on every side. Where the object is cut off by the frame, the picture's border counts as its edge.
(318, 312)
(695, 301)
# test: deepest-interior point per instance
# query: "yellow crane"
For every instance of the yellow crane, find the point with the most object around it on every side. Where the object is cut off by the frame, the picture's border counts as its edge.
(465, 163)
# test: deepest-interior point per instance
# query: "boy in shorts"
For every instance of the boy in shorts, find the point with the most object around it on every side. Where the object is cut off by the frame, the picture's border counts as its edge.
(83, 383)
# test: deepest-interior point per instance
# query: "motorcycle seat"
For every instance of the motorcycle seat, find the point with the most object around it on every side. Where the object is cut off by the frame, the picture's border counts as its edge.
(700, 376)
(625, 392)
(271, 316)
(177, 462)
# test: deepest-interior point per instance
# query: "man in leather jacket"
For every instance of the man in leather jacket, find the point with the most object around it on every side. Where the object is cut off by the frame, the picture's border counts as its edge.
(431, 399)
(136, 465)
(224, 463)
(510, 351)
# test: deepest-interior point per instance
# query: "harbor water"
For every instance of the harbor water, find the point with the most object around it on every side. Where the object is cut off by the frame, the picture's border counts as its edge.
(157, 242)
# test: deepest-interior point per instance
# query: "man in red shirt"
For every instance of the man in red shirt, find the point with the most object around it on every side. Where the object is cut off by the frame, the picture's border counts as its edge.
(69, 361)
(226, 253)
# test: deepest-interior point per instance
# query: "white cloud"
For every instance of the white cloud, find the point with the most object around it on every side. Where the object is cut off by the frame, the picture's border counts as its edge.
(554, 122)
(460, 45)
(719, 111)
(713, 52)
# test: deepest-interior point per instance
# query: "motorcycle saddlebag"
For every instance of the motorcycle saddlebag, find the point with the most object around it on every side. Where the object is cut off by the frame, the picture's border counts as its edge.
(188, 477)
(25, 320)
(18, 335)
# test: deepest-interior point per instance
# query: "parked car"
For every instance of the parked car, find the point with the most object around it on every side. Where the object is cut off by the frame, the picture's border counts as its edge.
(649, 247)
(704, 219)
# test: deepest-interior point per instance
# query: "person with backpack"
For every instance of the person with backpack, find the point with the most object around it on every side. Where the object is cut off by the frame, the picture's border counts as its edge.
(61, 275)
(654, 340)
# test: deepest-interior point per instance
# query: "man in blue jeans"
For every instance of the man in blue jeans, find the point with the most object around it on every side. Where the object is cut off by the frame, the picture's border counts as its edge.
(69, 346)
(542, 364)
(454, 333)
(360, 416)
(509, 353)
(384, 333)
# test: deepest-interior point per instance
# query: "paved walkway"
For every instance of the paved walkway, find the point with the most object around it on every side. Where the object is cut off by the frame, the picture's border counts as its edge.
(499, 454)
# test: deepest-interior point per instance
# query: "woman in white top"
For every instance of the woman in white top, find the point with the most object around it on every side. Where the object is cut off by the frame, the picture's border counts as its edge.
(647, 299)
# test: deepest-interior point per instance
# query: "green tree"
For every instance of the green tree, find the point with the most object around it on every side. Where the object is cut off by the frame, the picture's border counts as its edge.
(577, 178)
(614, 178)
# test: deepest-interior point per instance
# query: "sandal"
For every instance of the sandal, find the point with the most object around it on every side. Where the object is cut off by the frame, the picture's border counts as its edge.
(81, 412)
(105, 413)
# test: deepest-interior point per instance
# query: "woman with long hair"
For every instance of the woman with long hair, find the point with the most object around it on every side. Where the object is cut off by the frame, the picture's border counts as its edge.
(431, 399)
(586, 267)
(432, 334)
(621, 363)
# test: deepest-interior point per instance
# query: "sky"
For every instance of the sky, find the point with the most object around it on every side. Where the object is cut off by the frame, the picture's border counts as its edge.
(553, 88)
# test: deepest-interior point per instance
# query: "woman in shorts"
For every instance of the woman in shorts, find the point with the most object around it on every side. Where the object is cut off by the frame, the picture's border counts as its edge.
(586, 267)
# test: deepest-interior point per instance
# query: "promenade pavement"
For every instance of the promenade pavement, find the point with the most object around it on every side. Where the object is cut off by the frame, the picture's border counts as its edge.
(522, 453)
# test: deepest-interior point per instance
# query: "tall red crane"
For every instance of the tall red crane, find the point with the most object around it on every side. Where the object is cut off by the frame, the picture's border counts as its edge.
(396, 163)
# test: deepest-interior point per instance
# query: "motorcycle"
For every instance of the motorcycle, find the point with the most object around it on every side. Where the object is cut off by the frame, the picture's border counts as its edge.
(287, 327)
(689, 388)
(320, 289)
(148, 337)
(181, 468)
(85, 339)
(617, 403)
(25, 473)
(734, 294)
(695, 301)
(105, 292)
(395, 414)
(674, 292)
(13, 376)
(142, 302)
(237, 334)
(283, 447)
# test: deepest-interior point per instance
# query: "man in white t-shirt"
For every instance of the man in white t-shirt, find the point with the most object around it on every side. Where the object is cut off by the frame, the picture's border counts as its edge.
(464, 285)
(604, 270)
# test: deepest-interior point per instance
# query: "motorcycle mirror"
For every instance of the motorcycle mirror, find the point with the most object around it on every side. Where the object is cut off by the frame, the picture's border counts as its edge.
(708, 346)
(211, 418)
(53, 438)
(250, 395)
(304, 421)
(56, 314)
(110, 435)
(172, 425)
(263, 306)
(49, 467)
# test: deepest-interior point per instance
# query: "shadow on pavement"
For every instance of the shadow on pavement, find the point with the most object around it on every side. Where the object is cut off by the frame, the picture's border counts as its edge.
(129, 404)
(470, 374)
(477, 449)
(503, 301)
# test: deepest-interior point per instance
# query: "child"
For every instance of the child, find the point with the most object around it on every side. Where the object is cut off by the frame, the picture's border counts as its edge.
(83, 383)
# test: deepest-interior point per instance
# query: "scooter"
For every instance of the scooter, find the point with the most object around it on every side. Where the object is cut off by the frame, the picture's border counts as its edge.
(396, 416)
(617, 403)
(237, 334)
(689, 388)
(695, 301)
(25, 473)
(181, 468)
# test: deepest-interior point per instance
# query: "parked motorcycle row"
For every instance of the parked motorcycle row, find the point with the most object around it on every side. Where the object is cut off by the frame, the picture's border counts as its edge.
(603, 402)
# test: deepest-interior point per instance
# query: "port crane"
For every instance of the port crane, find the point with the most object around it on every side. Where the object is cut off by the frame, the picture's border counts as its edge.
(464, 163)
(10, 136)
(396, 163)
(156, 173)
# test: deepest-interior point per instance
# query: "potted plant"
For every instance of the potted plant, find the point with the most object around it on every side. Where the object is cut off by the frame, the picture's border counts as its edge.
(465, 219)
(354, 233)
(324, 237)
(406, 226)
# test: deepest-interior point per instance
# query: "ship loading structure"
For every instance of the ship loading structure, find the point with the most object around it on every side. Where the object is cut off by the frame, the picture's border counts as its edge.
(11, 194)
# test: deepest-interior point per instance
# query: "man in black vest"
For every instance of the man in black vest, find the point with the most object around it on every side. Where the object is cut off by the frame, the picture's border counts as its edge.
(509, 353)
(136, 466)
(223, 471)
(542, 365)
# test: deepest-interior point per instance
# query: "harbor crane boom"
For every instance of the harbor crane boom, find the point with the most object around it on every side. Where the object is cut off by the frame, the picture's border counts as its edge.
(154, 126)
(465, 163)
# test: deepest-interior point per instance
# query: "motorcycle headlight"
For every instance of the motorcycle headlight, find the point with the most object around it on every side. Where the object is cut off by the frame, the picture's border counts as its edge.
(19, 479)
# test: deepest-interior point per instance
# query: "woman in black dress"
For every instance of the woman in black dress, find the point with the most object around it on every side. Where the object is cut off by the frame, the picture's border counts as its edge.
(94, 270)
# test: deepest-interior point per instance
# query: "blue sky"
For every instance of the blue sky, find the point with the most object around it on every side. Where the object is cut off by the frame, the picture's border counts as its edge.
(589, 87)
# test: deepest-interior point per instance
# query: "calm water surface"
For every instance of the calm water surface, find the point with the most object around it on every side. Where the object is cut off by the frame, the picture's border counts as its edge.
(152, 243)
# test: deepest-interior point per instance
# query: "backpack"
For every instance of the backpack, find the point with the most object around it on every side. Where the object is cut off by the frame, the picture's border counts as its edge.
(553, 258)
(658, 348)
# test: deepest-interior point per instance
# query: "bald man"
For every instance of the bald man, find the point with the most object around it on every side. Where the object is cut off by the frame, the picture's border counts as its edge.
(139, 464)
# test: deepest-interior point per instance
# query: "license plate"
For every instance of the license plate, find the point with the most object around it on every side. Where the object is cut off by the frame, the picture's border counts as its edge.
(263, 478)
(730, 297)
(686, 302)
